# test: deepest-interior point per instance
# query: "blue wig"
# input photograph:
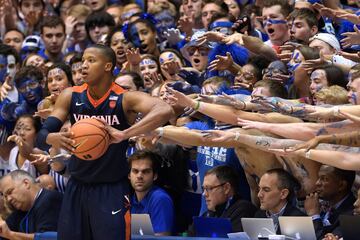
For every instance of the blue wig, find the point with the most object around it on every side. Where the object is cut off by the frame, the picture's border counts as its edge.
(239, 54)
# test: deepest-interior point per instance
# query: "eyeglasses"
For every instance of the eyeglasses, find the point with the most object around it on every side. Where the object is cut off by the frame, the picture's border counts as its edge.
(202, 50)
(272, 71)
(210, 189)
(31, 84)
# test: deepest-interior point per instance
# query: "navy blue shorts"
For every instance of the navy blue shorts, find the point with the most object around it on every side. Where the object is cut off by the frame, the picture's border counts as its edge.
(95, 211)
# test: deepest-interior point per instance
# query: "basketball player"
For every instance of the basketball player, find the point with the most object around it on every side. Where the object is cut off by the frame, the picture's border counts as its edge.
(95, 203)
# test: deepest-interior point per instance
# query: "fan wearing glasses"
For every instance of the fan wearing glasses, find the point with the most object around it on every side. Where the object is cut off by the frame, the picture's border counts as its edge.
(222, 199)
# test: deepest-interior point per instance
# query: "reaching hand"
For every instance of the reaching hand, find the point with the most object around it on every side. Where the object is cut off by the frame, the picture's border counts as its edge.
(16, 139)
(221, 63)
(234, 38)
(246, 124)
(309, 65)
(218, 135)
(234, 102)
(186, 24)
(193, 77)
(290, 46)
(5, 88)
(349, 17)
(211, 37)
(43, 113)
(351, 38)
(311, 144)
(171, 67)
(324, 11)
(350, 116)
(352, 56)
(180, 98)
(173, 36)
(133, 56)
(320, 113)
(40, 158)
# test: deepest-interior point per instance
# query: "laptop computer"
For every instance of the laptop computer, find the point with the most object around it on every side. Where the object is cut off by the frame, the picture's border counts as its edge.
(212, 227)
(350, 227)
(141, 225)
(258, 227)
(297, 227)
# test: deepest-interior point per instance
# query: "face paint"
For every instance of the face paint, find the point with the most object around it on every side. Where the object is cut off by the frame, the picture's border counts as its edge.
(3, 67)
(7, 67)
(31, 90)
(55, 72)
(170, 57)
(222, 27)
(354, 98)
(273, 21)
(135, 36)
(147, 61)
(165, 21)
(76, 66)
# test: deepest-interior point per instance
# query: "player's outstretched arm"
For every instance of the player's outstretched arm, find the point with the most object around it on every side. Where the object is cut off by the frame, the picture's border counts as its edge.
(156, 113)
(49, 134)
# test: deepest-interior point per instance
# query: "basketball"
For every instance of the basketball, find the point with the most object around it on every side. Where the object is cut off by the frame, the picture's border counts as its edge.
(91, 141)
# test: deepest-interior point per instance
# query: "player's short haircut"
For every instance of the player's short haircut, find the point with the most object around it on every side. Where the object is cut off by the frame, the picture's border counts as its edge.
(286, 181)
(108, 53)
(225, 174)
(51, 22)
(155, 159)
(285, 7)
(306, 14)
(136, 78)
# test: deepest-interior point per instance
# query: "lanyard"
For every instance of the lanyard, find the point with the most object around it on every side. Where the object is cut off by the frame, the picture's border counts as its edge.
(26, 218)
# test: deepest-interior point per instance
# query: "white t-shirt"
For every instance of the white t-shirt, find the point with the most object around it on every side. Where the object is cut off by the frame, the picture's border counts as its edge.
(27, 166)
(4, 167)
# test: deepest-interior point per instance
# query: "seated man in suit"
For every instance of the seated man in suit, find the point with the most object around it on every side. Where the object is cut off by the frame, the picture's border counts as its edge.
(36, 210)
(276, 191)
(222, 198)
(334, 188)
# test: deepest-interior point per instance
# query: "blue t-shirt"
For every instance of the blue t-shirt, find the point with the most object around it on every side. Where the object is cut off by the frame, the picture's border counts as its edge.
(210, 157)
(158, 204)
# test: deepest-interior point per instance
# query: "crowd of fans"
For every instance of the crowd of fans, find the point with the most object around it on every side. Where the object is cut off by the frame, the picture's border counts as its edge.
(264, 96)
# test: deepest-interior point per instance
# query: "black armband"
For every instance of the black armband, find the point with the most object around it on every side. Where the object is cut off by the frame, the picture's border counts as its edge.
(51, 124)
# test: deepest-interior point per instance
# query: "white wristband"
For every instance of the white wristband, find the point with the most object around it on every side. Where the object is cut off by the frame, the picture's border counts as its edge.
(161, 131)
(307, 154)
(237, 136)
(336, 111)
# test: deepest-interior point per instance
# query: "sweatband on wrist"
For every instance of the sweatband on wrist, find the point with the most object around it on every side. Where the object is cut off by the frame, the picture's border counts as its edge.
(51, 124)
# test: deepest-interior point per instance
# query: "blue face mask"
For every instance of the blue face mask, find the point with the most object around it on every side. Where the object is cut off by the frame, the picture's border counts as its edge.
(31, 90)
(135, 36)
(3, 67)
(7, 67)
(164, 22)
